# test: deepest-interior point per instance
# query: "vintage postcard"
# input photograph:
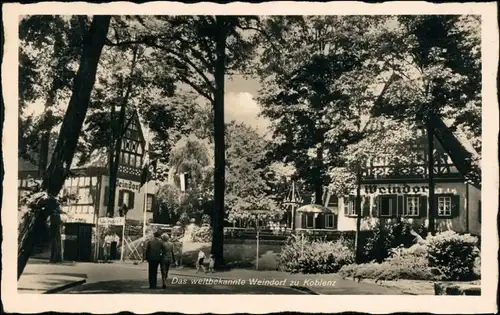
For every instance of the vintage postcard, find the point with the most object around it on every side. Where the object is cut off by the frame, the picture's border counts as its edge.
(250, 158)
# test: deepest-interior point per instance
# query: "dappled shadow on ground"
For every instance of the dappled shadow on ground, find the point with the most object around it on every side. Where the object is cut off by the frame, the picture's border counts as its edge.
(141, 287)
(68, 274)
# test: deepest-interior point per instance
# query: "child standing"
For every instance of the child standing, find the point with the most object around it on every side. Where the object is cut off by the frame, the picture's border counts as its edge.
(211, 263)
(199, 262)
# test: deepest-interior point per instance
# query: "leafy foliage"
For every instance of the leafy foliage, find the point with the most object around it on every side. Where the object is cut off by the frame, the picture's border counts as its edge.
(379, 246)
(453, 254)
(303, 255)
(190, 156)
(438, 74)
(305, 78)
(246, 180)
(405, 263)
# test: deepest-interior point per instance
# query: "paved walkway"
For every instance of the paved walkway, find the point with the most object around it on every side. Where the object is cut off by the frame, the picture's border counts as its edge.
(41, 277)
(121, 277)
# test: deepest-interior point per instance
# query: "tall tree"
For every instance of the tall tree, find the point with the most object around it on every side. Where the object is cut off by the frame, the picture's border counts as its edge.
(303, 77)
(203, 50)
(437, 60)
(189, 159)
(44, 203)
(247, 180)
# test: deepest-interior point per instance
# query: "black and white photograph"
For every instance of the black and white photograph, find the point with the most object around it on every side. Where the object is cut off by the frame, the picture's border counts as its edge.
(252, 154)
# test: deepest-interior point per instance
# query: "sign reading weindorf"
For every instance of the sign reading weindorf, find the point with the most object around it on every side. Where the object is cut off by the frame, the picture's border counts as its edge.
(127, 184)
(112, 221)
(405, 189)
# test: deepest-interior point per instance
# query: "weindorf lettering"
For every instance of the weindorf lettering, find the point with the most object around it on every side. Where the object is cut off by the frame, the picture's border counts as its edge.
(128, 185)
(395, 189)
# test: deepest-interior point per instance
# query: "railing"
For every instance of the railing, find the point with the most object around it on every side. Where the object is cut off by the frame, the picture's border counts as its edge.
(414, 171)
(251, 233)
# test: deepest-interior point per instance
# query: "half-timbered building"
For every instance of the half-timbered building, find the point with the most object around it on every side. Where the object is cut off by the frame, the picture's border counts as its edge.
(392, 192)
(89, 183)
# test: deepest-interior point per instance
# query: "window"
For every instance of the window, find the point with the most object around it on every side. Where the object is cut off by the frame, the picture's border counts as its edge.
(333, 202)
(84, 196)
(349, 206)
(412, 206)
(388, 206)
(82, 187)
(309, 220)
(149, 203)
(329, 221)
(126, 198)
(444, 206)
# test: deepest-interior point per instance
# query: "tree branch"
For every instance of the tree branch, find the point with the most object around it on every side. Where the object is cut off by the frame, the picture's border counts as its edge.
(174, 53)
(197, 88)
(196, 53)
(261, 31)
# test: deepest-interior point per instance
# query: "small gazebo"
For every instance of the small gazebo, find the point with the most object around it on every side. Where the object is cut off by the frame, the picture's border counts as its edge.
(315, 217)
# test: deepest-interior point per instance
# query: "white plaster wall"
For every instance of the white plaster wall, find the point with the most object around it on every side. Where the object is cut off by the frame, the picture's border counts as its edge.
(137, 212)
(458, 224)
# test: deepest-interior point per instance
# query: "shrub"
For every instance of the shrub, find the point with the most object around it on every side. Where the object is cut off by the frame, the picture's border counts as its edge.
(378, 246)
(305, 256)
(403, 263)
(454, 255)
(202, 234)
(408, 263)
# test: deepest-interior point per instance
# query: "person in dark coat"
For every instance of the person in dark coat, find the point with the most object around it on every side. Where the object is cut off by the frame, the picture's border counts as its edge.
(153, 253)
(167, 259)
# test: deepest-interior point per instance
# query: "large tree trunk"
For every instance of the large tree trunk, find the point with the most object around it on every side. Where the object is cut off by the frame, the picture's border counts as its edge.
(318, 181)
(32, 222)
(43, 157)
(430, 174)
(55, 237)
(219, 146)
(116, 143)
(359, 214)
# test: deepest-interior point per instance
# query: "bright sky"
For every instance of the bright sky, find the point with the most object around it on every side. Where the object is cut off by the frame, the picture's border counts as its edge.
(240, 104)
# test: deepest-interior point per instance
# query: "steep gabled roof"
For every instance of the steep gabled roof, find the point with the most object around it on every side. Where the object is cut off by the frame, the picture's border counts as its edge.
(98, 158)
(459, 150)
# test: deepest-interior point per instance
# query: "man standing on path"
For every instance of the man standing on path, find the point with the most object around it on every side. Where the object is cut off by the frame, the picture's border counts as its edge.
(107, 247)
(167, 259)
(155, 249)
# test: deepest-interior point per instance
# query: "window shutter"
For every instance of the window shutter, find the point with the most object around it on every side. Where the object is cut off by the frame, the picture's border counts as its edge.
(335, 221)
(303, 220)
(106, 195)
(375, 207)
(153, 203)
(352, 203)
(346, 205)
(366, 206)
(120, 198)
(131, 200)
(435, 202)
(455, 205)
(422, 212)
(320, 221)
(479, 211)
(400, 204)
